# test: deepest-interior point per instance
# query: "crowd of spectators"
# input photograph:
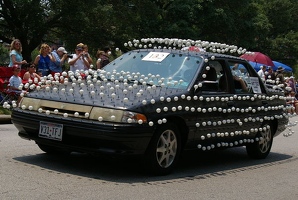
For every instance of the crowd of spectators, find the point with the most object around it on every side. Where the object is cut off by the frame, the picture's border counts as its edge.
(288, 83)
(50, 61)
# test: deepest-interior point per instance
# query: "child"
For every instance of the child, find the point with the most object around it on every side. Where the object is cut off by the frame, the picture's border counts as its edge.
(15, 81)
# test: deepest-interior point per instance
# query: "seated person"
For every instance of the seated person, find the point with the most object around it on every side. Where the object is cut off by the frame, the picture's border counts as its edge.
(15, 81)
(31, 74)
(240, 84)
(292, 102)
(236, 71)
(238, 81)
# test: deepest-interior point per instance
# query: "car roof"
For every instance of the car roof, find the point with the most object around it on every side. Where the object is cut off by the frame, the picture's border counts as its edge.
(193, 53)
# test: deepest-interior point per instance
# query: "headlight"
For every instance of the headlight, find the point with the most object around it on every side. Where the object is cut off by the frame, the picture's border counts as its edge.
(113, 115)
(34, 104)
(132, 117)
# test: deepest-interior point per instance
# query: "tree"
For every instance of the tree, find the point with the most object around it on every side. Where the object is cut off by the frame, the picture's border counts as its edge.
(32, 21)
(282, 43)
(252, 24)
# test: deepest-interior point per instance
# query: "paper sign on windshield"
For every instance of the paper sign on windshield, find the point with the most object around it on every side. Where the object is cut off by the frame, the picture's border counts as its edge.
(156, 56)
(255, 84)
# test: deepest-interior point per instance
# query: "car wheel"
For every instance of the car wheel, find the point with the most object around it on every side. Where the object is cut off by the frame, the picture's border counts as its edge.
(52, 150)
(260, 149)
(163, 151)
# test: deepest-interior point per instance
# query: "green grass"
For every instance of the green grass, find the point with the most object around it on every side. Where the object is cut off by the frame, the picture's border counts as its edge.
(4, 111)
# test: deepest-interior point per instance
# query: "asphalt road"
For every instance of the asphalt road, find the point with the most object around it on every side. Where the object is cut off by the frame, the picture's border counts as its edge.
(28, 173)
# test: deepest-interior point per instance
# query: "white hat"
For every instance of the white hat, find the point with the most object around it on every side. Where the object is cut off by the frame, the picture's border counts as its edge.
(62, 49)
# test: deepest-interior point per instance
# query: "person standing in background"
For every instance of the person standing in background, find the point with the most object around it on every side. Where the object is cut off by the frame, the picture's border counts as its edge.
(279, 75)
(270, 74)
(261, 72)
(103, 57)
(79, 60)
(87, 55)
(43, 60)
(60, 56)
(99, 55)
(15, 54)
(291, 83)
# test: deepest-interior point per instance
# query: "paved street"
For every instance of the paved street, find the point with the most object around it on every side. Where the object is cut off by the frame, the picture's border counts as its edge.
(28, 173)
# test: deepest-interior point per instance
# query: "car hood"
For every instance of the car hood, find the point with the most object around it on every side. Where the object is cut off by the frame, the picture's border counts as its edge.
(109, 94)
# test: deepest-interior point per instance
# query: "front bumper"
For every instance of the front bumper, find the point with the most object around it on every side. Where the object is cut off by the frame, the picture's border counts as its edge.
(83, 135)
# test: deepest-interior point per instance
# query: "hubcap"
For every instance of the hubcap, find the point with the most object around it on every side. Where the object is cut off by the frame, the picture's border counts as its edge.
(166, 148)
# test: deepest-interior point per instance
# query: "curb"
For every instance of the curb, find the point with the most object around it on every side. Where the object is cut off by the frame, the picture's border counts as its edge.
(5, 119)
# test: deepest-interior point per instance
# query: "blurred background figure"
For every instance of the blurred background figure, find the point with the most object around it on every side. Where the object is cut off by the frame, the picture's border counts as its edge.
(279, 75)
(15, 81)
(60, 56)
(31, 74)
(15, 54)
(270, 74)
(87, 55)
(291, 84)
(99, 56)
(79, 60)
(44, 59)
(262, 71)
(103, 57)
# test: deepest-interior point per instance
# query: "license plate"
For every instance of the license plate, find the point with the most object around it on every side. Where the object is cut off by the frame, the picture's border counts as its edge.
(51, 131)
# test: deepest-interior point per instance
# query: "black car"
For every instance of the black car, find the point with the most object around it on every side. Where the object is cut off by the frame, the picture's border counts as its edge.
(155, 103)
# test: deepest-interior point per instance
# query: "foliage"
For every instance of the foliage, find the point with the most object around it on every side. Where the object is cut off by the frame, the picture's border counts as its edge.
(4, 55)
(4, 111)
(268, 26)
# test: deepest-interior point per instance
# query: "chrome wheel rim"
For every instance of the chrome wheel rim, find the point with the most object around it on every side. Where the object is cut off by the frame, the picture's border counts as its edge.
(166, 148)
(265, 142)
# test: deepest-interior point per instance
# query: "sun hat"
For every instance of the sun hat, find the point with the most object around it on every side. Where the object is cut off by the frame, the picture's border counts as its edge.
(62, 49)
(280, 68)
(80, 46)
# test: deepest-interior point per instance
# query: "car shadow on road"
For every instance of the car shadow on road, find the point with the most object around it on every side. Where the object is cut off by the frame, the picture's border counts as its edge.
(192, 165)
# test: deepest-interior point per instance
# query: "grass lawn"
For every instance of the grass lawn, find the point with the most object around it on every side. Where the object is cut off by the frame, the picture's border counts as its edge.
(4, 111)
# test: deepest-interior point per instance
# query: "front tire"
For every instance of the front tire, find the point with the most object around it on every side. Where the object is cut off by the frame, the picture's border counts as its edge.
(260, 149)
(164, 150)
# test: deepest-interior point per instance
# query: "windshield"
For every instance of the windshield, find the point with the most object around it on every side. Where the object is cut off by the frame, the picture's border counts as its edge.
(160, 68)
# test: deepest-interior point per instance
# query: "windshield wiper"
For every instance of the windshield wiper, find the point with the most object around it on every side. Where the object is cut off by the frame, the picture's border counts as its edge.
(138, 82)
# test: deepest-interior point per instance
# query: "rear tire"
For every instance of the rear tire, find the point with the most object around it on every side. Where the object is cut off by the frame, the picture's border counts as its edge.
(164, 150)
(260, 149)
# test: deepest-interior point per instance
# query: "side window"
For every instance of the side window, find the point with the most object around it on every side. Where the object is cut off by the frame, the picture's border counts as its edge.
(244, 80)
(214, 77)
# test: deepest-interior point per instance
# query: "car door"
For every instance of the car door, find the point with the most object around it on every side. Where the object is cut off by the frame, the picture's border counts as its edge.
(250, 99)
(214, 106)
